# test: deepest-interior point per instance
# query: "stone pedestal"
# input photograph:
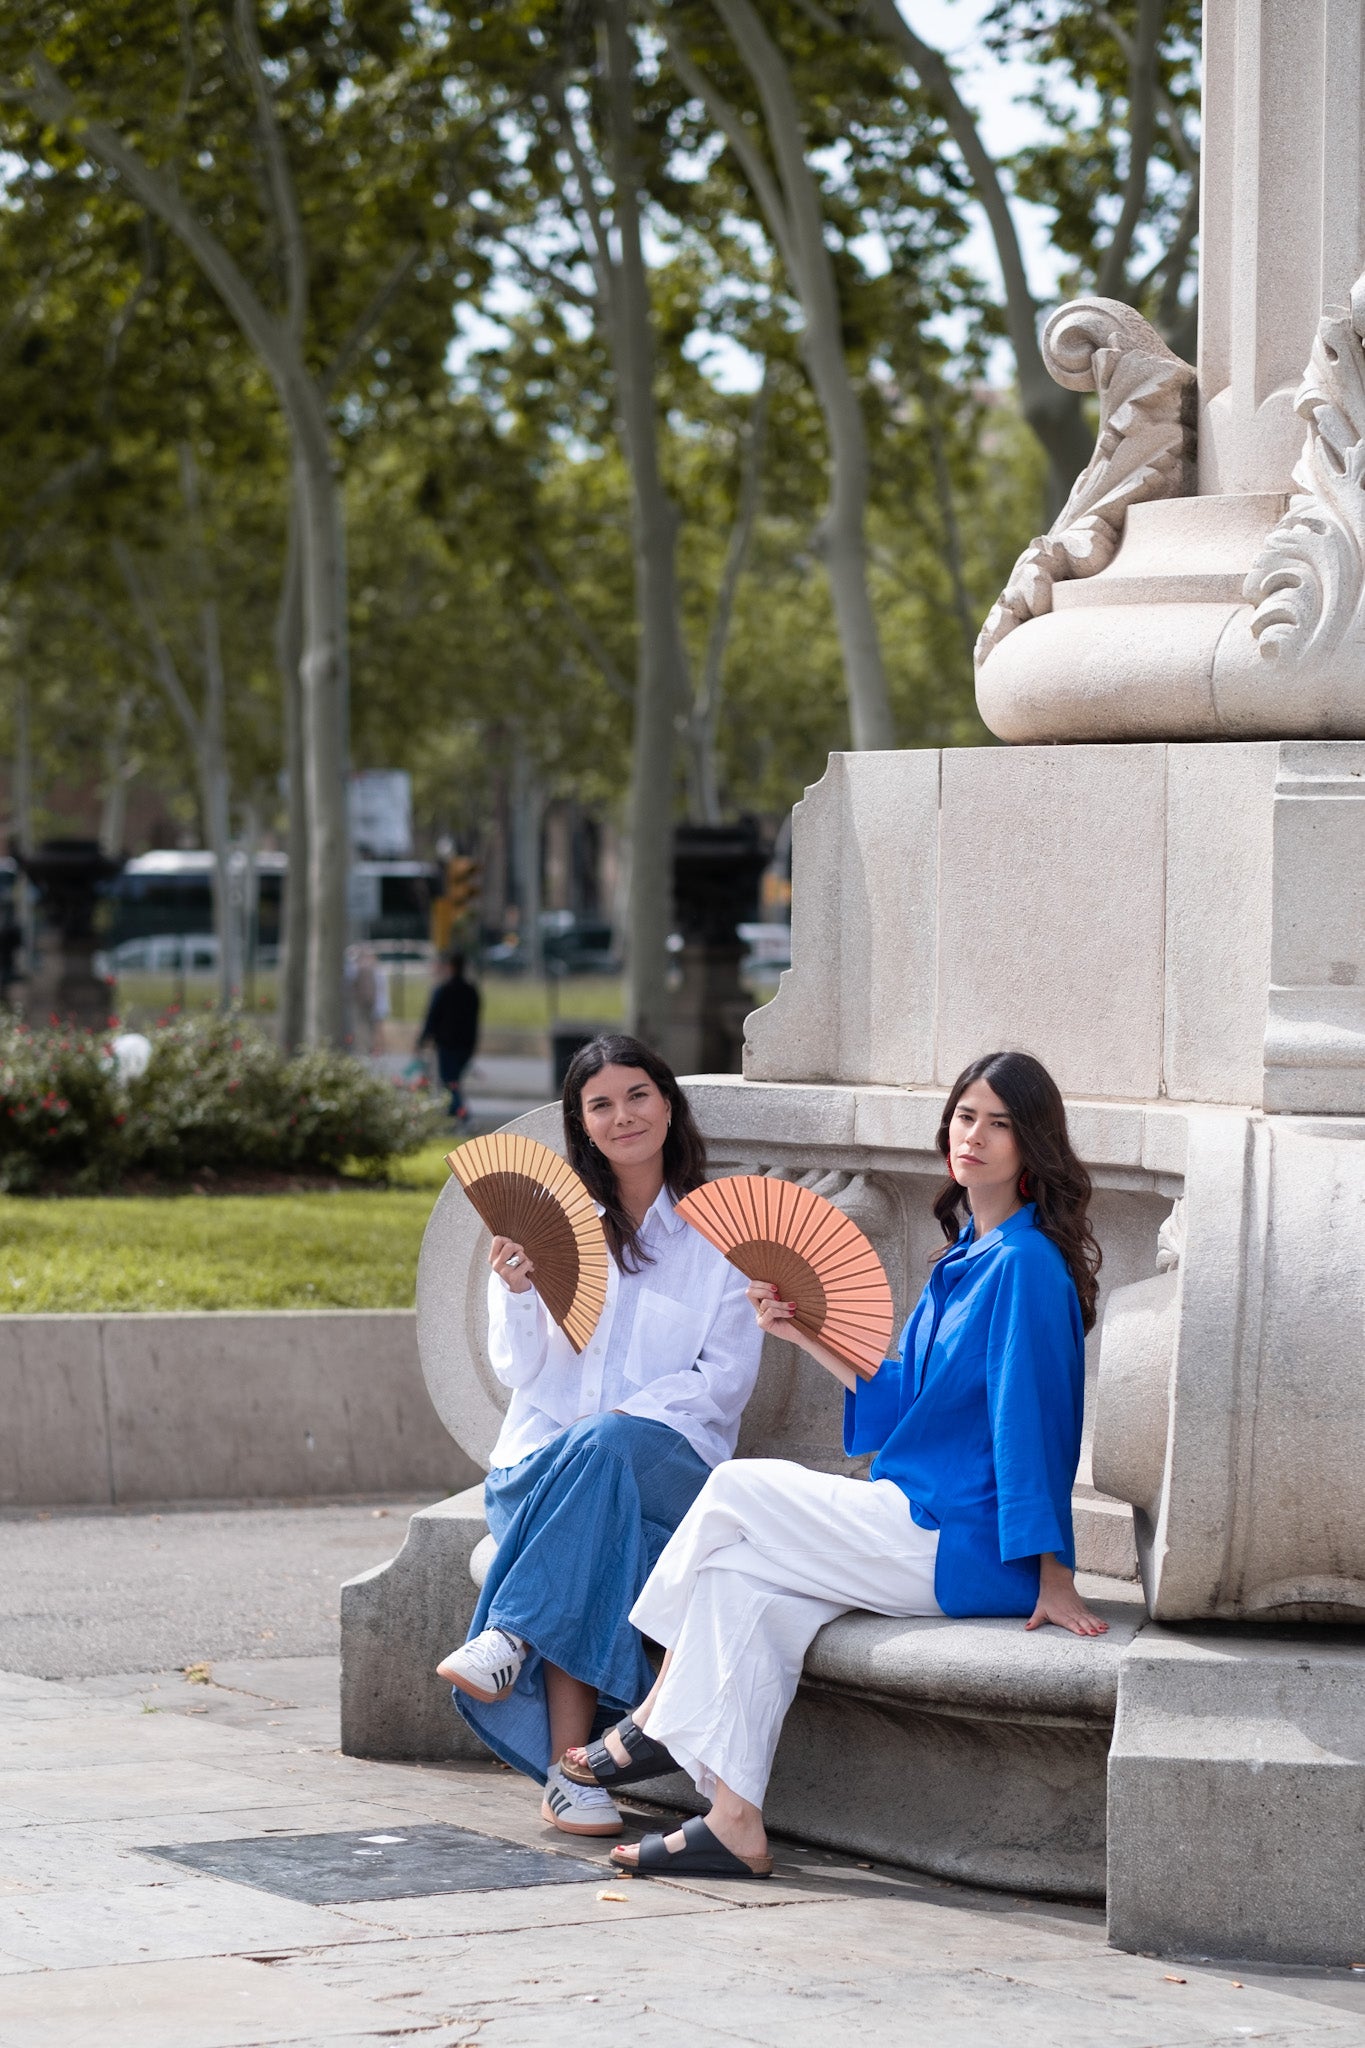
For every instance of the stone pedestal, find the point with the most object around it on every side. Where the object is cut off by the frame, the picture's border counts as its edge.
(1237, 1797)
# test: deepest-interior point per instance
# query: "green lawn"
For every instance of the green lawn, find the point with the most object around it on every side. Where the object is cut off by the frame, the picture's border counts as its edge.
(511, 1002)
(355, 1248)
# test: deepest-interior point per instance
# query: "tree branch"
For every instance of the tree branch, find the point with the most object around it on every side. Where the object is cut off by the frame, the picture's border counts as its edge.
(1111, 282)
(163, 661)
(277, 170)
(546, 273)
(596, 243)
(582, 628)
(52, 98)
(749, 157)
(368, 319)
(1181, 147)
(1054, 415)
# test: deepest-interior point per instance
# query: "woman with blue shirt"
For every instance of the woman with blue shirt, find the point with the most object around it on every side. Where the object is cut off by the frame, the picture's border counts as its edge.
(976, 1430)
(600, 1455)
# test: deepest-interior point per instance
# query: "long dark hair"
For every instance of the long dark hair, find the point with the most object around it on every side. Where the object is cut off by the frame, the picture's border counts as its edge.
(1053, 1176)
(684, 1146)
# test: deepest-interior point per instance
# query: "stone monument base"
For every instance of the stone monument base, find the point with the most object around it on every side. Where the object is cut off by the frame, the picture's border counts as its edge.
(1237, 1796)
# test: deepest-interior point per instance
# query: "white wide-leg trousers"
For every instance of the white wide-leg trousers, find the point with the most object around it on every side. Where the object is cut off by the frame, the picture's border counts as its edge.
(767, 1553)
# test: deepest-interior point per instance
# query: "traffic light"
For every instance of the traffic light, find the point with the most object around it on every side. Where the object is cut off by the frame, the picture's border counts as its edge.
(463, 879)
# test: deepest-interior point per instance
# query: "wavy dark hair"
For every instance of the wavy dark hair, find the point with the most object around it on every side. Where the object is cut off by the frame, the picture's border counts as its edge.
(1053, 1176)
(684, 1146)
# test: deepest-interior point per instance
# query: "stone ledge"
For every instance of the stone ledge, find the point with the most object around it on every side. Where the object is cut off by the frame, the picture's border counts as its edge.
(1132, 1146)
(105, 1410)
(988, 1665)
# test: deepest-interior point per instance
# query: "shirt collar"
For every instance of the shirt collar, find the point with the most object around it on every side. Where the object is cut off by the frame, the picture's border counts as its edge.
(1022, 1219)
(660, 1209)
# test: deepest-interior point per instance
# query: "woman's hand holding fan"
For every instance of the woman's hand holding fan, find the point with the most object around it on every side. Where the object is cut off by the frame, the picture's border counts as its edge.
(815, 1278)
(777, 1318)
(512, 1264)
(544, 1223)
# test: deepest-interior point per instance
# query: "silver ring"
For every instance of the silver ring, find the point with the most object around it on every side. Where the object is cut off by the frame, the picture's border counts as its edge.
(510, 1265)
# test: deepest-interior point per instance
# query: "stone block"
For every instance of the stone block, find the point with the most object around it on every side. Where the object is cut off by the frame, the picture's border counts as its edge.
(777, 1114)
(54, 1443)
(1108, 1131)
(1218, 894)
(397, 1622)
(968, 1748)
(1237, 1797)
(900, 1120)
(797, 1033)
(1051, 912)
(216, 1406)
(1315, 1028)
(1229, 1413)
(1105, 1543)
(1113, 909)
(858, 1002)
(1163, 1141)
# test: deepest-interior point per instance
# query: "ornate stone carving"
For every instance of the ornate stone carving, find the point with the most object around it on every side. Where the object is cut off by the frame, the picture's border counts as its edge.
(1308, 582)
(1145, 449)
(1170, 1239)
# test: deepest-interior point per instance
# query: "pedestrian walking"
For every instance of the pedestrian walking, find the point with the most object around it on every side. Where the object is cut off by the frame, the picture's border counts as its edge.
(452, 1027)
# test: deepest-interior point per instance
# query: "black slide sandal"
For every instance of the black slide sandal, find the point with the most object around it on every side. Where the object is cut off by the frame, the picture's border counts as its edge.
(704, 1856)
(647, 1759)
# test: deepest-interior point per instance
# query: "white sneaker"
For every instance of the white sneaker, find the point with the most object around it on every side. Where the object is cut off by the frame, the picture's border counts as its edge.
(579, 1809)
(486, 1667)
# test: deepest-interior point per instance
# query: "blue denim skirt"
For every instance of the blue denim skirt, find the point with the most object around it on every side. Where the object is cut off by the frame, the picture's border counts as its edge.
(579, 1526)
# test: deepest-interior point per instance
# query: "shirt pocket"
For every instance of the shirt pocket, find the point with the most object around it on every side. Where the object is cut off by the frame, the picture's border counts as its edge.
(667, 1337)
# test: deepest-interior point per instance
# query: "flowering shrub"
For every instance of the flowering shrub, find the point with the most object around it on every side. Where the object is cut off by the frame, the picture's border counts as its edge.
(60, 1112)
(217, 1094)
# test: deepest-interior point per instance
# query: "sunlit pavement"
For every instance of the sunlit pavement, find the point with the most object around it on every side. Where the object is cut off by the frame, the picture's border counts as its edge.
(102, 1942)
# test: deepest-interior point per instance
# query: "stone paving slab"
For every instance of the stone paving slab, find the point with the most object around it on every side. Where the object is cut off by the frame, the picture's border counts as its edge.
(225, 2003)
(102, 1945)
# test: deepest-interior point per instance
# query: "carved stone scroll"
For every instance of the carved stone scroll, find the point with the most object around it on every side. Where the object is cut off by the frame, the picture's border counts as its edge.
(1144, 450)
(1308, 582)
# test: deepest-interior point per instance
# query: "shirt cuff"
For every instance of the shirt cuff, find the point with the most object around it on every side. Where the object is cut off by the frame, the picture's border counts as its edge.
(1029, 1528)
(872, 1410)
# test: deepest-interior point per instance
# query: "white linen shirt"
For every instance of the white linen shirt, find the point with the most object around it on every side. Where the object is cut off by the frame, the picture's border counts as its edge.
(677, 1343)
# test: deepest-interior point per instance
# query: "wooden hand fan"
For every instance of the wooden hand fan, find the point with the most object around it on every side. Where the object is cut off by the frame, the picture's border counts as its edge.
(814, 1256)
(526, 1192)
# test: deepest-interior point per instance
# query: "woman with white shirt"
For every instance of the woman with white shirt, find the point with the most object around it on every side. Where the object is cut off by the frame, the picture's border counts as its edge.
(600, 1455)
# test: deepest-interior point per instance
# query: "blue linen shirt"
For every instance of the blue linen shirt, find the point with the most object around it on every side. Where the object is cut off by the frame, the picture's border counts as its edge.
(978, 1421)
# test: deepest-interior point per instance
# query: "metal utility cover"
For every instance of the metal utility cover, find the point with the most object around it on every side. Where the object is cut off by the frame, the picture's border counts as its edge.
(389, 1863)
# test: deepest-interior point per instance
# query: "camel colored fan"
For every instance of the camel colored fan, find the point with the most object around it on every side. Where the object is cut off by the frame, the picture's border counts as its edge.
(815, 1257)
(526, 1192)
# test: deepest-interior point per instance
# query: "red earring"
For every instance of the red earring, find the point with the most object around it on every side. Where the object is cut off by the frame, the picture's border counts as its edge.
(1023, 1185)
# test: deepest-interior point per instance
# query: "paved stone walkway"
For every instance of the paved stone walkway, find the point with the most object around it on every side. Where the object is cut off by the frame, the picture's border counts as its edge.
(134, 1589)
(102, 1944)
